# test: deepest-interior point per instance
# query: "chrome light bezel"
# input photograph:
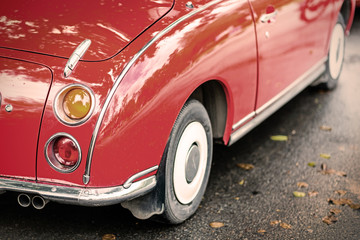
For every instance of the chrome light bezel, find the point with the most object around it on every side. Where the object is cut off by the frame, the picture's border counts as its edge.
(50, 155)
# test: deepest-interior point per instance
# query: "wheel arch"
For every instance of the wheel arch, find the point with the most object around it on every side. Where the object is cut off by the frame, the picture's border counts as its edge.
(347, 10)
(215, 97)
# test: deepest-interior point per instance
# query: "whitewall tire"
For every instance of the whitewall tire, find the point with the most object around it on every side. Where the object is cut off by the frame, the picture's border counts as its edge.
(188, 161)
(336, 54)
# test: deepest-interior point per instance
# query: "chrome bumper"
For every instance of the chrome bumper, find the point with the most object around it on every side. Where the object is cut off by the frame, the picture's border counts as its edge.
(81, 196)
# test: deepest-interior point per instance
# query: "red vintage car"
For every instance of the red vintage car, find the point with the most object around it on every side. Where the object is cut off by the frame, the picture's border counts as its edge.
(107, 102)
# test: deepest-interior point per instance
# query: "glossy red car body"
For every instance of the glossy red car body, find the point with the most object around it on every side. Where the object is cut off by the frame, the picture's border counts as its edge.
(146, 59)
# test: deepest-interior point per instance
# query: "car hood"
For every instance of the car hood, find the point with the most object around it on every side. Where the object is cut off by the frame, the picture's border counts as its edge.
(57, 27)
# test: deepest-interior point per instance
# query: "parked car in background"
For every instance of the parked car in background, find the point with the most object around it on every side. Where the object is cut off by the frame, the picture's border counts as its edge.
(107, 102)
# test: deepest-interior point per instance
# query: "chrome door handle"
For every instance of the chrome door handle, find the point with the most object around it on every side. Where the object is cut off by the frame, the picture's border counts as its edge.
(267, 17)
(76, 56)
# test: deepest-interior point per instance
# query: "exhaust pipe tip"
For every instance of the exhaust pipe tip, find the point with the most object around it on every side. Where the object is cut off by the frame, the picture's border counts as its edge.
(24, 200)
(39, 202)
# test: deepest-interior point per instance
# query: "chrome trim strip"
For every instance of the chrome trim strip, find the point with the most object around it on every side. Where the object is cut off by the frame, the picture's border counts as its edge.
(57, 104)
(81, 196)
(243, 120)
(281, 99)
(60, 134)
(130, 181)
(86, 176)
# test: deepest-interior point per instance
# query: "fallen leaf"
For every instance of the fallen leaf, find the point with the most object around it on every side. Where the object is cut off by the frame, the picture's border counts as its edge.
(332, 171)
(312, 164)
(354, 206)
(324, 155)
(323, 166)
(302, 185)
(242, 182)
(328, 171)
(237, 198)
(261, 231)
(340, 192)
(341, 148)
(280, 138)
(341, 201)
(275, 222)
(310, 230)
(313, 193)
(285, 225)
(341, 173)
(299, 194)
(246, 166)
(216, 224)
(325, 128)
(108, 237)
(330, 219)
(335, 211)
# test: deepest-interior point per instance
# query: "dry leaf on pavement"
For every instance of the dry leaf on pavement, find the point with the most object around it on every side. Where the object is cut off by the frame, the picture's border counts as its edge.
(246, 166)
(108, 237)
(340, 192)
(335, 211)
(275, 222)
(216, 224)
(285, 225)
(355, 206)
(313, 193)
(312, 164)
(261, 231)
(325, 155)
(341, 173)
(280, 138)
(325, 128)
(299, 194)
(329, 171)
(341, 201)
(323, 166)
(302, 185)
(330, 219)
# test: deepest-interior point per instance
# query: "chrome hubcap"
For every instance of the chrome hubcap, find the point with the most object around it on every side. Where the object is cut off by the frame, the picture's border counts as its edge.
(192, 163)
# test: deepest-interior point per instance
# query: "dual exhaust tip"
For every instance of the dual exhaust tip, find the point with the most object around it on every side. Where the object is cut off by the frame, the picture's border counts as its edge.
(36, 201)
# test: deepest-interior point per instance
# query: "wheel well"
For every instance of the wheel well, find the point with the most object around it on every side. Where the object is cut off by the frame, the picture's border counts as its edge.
(211, 94)
(346, 10)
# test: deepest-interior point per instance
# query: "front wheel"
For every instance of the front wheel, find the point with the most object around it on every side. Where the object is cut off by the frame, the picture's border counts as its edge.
(188, 162)
(335, 55)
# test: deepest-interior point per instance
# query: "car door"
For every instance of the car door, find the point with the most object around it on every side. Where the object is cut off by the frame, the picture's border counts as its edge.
(23, 88)
(292, 36)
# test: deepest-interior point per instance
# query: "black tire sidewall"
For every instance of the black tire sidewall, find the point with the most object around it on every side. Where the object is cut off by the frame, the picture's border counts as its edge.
(175, 212)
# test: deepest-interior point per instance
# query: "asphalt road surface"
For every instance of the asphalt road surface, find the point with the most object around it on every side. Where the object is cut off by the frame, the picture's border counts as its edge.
(254, 204)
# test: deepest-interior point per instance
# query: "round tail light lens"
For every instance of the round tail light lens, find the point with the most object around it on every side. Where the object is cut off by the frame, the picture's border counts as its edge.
(66, 151)
(63, 152)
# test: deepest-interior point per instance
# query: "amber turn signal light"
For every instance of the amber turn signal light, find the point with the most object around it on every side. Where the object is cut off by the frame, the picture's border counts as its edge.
(74, 104)
(77, 103)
